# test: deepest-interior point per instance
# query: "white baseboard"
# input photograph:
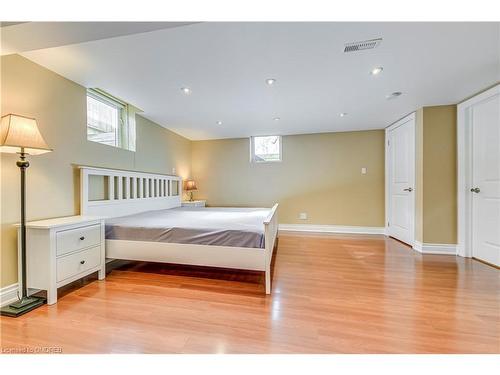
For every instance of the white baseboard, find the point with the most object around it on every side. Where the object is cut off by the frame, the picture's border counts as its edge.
(8, 294)
(330, 229)
(435, 248)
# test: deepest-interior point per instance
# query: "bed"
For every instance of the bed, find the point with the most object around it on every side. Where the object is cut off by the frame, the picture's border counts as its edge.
(145, 222)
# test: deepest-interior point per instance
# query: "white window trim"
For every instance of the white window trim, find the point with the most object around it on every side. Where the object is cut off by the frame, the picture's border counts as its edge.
(124, 127)
(105, 98)
(252, 158)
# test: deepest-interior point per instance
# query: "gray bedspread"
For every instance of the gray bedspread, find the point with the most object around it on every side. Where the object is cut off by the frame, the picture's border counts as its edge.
(239, 227)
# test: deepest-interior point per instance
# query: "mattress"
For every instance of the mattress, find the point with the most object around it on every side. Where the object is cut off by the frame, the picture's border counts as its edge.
(221, 226)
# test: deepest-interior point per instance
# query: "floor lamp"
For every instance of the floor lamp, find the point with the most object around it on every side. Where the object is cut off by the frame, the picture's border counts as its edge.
(19, 134)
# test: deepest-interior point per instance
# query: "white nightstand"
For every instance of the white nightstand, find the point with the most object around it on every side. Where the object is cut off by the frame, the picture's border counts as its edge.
(60, 251)
(200, 203)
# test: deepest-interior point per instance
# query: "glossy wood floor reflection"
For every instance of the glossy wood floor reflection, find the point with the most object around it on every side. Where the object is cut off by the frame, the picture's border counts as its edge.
(331, 294)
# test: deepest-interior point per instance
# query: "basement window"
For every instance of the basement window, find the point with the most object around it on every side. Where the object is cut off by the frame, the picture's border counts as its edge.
(108, 121)
(265, 149)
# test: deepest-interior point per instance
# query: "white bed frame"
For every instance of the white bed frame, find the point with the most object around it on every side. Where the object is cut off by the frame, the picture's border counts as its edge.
(132, 192)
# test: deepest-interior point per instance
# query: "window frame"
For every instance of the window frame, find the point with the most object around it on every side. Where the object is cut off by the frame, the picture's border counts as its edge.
(122, 135)
(252, 149)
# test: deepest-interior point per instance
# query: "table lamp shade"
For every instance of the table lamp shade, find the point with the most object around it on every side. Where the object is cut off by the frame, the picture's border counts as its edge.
(21, 134)
(190, 185)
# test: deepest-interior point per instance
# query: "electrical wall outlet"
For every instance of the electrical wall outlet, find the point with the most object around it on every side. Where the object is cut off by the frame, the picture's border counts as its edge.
(363, 170)
(303, 216)
(173, 170)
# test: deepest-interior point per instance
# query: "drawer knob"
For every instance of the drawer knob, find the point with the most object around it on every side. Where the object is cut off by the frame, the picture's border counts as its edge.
(82, 262)
(82, 238)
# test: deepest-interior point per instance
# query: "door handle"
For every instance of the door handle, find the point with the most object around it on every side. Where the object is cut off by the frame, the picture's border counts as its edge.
(82, 262)
(408, 189)
(475, 190)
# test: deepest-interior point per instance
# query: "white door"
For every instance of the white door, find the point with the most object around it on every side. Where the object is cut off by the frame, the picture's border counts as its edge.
(485, 185)
(401, 179)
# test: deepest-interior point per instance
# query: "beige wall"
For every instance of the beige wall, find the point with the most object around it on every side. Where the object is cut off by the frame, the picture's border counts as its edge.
(440, 174)
(436, 175)
(59, 105)
(320, 174)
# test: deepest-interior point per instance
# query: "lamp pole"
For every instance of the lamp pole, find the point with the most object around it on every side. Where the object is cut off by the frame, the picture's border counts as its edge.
(23, 164)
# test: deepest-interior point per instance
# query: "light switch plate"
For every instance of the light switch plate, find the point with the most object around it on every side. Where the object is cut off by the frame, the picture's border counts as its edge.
(303, 216)
(363, 170)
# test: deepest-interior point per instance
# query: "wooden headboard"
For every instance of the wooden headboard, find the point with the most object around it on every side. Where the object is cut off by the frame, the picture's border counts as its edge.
(126, 192)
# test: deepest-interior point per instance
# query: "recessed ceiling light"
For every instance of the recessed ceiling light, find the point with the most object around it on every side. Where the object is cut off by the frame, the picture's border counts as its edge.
(219, 122)
(186, 90)
(270, 81)
(393, 95)
(376, 71)
(276, 119)
(343, 114)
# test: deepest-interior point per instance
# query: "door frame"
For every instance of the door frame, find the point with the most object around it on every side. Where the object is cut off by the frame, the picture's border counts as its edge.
(407, 118)
(464, 170)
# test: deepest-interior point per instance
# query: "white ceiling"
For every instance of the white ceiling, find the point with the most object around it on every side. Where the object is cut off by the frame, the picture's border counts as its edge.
(17, 37)
(226, 65)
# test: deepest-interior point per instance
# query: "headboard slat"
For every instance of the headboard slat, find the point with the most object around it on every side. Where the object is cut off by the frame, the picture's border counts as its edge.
(128, 192)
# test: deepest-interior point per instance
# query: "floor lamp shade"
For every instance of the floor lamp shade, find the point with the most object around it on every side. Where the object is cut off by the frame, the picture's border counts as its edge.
(20, 134)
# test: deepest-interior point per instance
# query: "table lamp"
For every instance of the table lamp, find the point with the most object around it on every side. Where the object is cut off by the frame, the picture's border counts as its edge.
(190, 187)
(19, 134)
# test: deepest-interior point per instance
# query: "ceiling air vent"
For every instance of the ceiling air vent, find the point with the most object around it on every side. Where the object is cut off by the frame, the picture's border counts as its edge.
(359, 46)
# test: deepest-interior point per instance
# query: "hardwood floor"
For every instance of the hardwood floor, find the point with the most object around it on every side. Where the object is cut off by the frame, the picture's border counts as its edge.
(331, 294)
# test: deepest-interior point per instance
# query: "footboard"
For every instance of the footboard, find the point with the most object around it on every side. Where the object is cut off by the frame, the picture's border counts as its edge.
(270, 235)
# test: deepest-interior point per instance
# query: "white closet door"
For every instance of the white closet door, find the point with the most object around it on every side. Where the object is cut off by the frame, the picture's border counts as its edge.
(401, 173)
(485, 187)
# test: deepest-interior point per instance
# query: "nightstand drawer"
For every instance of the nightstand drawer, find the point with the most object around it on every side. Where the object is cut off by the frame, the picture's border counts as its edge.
(76, 239)
(77, 263)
